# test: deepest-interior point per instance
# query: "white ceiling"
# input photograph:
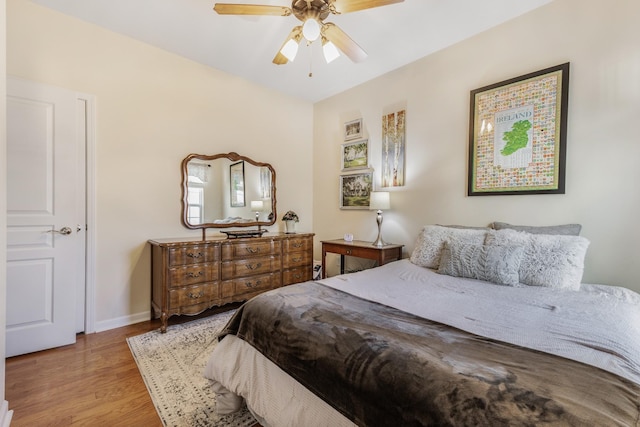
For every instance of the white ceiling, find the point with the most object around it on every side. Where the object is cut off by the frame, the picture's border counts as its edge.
(392, 35)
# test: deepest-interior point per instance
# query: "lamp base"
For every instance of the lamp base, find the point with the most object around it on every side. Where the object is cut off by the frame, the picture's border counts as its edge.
(379, 242)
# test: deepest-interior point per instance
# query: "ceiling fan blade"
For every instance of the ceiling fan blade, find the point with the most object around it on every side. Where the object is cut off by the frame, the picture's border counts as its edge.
(250, 9)
(345, 6)
(296, 35)
(343, 42)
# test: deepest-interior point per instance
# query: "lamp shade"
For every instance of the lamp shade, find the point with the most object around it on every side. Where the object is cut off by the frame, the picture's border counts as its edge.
(329, 50)
(379, 200)
(257, 205)
(290, 49)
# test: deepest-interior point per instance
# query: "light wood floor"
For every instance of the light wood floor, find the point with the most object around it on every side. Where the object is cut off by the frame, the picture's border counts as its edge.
(94, 382)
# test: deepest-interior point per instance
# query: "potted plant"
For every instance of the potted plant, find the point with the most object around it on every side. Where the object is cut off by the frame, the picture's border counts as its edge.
(290, 218)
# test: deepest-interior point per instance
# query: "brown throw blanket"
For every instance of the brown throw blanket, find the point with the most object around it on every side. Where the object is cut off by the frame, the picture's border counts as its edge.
(382, 367)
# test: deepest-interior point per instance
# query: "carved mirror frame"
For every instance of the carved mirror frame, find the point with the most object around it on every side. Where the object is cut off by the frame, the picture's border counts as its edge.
(233, 157)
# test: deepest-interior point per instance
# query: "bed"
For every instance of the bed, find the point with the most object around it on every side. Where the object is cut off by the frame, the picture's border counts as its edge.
(466, 332)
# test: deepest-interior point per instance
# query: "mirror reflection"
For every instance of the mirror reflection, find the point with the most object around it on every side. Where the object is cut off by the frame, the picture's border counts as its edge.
(227, 190)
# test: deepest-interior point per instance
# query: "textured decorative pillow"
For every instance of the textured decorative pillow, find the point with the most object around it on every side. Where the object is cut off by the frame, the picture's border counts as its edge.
(495, 264)
(564, 229)
(552, 261)
(430, 242)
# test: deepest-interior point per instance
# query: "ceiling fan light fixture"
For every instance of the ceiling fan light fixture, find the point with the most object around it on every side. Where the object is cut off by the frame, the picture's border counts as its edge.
(290, 49)
(311, 29)
(329, 50)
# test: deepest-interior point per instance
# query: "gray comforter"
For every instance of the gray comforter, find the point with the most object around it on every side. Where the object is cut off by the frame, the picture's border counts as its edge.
(383, 367)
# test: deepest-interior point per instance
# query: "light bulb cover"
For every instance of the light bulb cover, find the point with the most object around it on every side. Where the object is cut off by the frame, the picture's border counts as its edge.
(311, 29)
(290, 49)
(330, 51)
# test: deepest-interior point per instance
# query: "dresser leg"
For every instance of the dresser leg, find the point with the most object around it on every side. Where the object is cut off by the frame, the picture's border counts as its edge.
(163, 318)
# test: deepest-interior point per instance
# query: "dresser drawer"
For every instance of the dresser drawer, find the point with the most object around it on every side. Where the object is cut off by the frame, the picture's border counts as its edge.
(296, 275)
(192, 274)
(250, 267)
(298, 244)
(193, 295)
(249, 285)
(296, 259)
(193, 254)
(250, 249)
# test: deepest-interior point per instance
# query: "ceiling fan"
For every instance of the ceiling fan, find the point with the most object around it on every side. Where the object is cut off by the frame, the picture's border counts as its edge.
(312, 14)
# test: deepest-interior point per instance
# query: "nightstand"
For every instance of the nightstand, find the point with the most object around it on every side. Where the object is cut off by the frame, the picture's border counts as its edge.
(360, 249)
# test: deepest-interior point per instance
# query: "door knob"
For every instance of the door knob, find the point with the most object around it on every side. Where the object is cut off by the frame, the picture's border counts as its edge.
(64, 231)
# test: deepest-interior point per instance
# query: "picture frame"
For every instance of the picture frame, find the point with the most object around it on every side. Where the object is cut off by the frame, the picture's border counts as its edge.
(517, 135)
(236, 184)
(393, 149)
(353, 129)
(355, 190)
(355, 155)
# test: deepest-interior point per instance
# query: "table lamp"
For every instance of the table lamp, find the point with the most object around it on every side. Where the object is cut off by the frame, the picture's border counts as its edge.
(257, 206)
(379, 200)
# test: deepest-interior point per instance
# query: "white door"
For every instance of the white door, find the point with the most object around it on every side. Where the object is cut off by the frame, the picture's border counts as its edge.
(45, 216)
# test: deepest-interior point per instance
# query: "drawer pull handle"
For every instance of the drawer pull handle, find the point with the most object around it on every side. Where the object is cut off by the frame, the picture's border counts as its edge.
(297, 244)
(196, 255)
(253, 250)
(297, 259)
(253, 266)
(251, 285)
(297, 276)
(348, 251)
(194, 275)
(195, 296)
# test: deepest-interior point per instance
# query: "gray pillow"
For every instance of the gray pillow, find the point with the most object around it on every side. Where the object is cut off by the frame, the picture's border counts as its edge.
(466, 227)
(552, 261)
(564, 229)
(495, 264)
(430, 242)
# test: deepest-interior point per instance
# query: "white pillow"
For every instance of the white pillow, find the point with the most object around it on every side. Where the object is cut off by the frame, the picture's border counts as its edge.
(430, 243)
(552, 261)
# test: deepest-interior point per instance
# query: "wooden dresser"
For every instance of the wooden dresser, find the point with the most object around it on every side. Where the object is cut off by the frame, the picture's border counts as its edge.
(189, 276)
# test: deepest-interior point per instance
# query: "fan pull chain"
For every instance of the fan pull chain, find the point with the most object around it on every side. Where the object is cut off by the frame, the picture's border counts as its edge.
(310, 60)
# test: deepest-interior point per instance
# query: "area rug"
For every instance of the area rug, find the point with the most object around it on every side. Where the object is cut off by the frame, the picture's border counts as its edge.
(171, 365)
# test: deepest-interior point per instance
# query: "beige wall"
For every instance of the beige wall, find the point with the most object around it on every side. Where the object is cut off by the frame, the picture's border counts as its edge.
(153, 109)
(602, 42)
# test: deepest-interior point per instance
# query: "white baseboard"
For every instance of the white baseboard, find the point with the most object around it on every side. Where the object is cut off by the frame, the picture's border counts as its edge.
(118, 322)
(5, 414)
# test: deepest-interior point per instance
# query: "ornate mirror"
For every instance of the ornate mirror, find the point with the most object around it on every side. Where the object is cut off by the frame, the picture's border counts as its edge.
(227, 190)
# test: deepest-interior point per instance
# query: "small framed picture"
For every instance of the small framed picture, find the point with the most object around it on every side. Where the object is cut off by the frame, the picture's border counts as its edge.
(355, 155)
(355, 190)
(353, 129)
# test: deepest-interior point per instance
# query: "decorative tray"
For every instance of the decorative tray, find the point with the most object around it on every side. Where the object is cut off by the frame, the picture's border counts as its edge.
(237, 234)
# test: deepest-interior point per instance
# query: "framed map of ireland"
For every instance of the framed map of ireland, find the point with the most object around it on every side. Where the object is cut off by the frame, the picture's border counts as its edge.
(517, 135)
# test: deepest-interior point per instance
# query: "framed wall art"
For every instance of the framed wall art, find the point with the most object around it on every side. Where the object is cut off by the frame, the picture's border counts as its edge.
(393, 149)
(355, 155)
(236, 182)
(353, 129)
(517, 135)
(355, 190)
